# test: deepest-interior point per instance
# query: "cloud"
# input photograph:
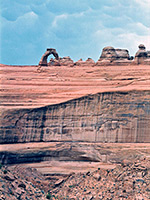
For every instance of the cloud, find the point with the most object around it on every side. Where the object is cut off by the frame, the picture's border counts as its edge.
(74, 28)
(143, 3)
(66, 6)
(58, 18)
(11, 10)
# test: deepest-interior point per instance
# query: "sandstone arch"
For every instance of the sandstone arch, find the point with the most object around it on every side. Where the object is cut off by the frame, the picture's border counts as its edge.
(49, 51)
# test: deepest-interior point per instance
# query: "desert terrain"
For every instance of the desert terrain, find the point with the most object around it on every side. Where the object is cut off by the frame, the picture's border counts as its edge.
(30, 87)
(45, 157)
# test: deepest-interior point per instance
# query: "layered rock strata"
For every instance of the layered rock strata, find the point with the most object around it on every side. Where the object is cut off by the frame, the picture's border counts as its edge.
(38, 152)
(103, 117)
(112, 56)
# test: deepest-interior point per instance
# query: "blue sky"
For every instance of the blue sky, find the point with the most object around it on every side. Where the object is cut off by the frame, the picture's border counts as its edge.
(76, 28)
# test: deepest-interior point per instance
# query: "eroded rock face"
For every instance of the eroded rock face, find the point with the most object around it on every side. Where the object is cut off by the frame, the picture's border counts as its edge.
(122, 54)
(43, 61)
(111, 56)
(108, 53)
(104, 117)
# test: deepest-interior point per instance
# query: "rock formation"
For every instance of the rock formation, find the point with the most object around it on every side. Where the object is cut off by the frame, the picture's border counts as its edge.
(109, 53)
(54, 62)
(104, 117)
(142, 56)
(122, 54)
(148, 54)
(60, 123)
(88, 62)
(79, 62)
(43, 61)
(111, 56)
(92, 181)
(66, 61)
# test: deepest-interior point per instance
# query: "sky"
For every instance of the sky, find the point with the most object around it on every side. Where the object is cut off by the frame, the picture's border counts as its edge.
(75, 28)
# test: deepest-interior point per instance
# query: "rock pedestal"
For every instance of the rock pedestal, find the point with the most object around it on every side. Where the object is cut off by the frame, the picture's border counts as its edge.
(141, 55)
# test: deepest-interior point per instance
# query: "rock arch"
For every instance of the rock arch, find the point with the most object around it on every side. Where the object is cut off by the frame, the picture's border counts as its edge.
(49, 51)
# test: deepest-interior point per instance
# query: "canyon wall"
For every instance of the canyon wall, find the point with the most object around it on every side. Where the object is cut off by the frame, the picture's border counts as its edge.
(103, 117)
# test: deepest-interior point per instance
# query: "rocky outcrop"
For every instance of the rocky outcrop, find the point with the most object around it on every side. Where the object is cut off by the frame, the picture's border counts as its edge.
(89, 62)
(54, 62)
(109, 53)
(49, 51)
(148, 54)
(111, 56)
(80, 62)
(122, 54)
(104, 117)
(70, 151)
(19, 183)
(66, 61)
(142, 56)
(129, 180)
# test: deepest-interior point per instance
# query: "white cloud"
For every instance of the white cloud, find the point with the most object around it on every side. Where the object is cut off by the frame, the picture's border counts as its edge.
(58, 18)
(122, 38)
(132, 41)
(76, 28)
(143, 3)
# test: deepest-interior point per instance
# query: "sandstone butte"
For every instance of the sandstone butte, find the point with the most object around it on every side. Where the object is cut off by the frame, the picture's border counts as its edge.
(76, 130)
